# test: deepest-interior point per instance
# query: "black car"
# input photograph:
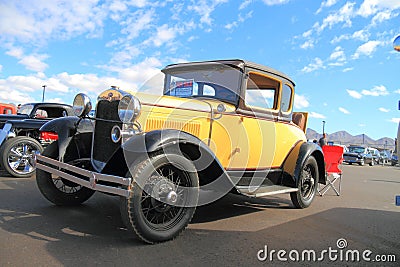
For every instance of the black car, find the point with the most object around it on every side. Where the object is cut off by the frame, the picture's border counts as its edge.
(358, 154)
(20, 138)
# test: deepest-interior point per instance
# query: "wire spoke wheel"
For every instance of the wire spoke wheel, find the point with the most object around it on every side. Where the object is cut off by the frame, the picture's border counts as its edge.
(163, 197)
(58, 190)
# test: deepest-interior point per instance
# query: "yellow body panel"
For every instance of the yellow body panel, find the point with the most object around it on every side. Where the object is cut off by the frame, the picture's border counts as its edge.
(238, 141)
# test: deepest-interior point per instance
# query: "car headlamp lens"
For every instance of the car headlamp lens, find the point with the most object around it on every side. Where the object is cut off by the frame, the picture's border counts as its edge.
(82, 105)
(129, 109)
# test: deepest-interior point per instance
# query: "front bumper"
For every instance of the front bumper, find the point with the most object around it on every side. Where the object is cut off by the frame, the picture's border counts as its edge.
(89, 179)
(352, 160)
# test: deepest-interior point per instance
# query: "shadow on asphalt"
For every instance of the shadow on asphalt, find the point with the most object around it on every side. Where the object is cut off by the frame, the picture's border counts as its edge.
(93, 233)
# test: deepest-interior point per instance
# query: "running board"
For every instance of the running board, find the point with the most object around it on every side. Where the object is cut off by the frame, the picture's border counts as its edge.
(261, 191)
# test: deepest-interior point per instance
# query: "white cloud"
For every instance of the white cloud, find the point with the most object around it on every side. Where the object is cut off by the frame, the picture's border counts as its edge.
(395, 120)
(367, 49)
(338, 54)
(347, 69)
(361, 35)
(31, 62)
(137, 22)
(354, 94)
(343, 110)
(19, 89)
(240, 19)
(343, 15)
(327, 3)
(384, 110)
(275, 2)
(300, 101)
(316, 65)
(204, 9)
(397, 91)
(245, 4)
(1, 68)
(36, 22)
(315, 115)
(371, 7)
(379, 90)
(382, 16)
(307, 44)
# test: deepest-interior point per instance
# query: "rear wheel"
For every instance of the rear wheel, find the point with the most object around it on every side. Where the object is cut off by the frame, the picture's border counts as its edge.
(58, 190)
(308, 183)
(163, 197)
(17, 155)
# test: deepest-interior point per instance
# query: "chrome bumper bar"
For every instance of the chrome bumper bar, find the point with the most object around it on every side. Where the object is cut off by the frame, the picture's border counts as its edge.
(94, 177)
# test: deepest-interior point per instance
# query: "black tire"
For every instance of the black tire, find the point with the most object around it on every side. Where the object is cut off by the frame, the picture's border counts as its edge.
(17, 155)
(147, 212)
(372, 163)
(57, 190)
(362, 162)
(308, 183)
(350, 163)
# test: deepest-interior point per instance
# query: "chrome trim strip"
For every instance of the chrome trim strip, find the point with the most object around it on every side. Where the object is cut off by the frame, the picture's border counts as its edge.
(94, 177)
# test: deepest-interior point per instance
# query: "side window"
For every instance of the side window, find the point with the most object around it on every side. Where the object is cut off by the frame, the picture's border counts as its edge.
(286, 98)
(261, 92)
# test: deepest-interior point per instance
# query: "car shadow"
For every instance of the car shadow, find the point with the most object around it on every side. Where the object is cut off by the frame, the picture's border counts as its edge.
(93, 233)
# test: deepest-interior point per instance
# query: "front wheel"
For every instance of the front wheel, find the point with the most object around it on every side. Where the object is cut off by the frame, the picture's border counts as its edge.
(17, 155)
(162, 199)
(308, 183)
(58, 190)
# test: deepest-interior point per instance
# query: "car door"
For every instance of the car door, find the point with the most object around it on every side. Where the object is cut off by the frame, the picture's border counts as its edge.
(267, 135)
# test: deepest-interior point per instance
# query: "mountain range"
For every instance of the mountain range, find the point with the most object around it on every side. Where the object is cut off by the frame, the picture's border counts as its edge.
(344, 138)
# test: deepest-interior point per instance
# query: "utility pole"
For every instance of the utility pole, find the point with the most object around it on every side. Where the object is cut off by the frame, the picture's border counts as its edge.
(44, 90)
(323, 127)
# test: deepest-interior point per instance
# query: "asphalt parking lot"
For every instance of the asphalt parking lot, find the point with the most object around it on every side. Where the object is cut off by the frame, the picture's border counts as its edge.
(235, 231)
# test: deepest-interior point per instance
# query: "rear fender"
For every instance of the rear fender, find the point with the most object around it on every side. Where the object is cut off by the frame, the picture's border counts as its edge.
(68, 129)
(295, 161)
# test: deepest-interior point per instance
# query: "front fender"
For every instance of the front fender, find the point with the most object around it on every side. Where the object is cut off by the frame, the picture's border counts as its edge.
(66, 128)
(214, 181)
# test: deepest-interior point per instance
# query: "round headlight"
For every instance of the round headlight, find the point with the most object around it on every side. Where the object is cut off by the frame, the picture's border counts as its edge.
(82, 105)
(129, 109)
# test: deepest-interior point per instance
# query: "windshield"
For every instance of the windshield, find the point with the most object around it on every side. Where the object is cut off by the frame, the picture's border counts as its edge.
(213, 81)
(356, 149)
(25, 109)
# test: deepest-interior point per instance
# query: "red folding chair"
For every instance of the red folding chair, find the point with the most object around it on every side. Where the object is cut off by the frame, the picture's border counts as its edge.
(333, 158)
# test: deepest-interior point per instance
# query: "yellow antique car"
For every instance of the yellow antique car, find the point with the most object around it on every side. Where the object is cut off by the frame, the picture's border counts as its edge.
(220, 127)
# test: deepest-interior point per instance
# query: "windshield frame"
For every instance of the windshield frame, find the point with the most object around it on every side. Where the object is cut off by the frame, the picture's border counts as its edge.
(26, 109)
(200, 78)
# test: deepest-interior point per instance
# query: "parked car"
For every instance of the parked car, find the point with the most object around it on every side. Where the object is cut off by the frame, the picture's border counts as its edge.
(358, 154)
(394, 160)
(376, 156)
(7, 109)
(20, 138)
(220, 126)
(385, 156)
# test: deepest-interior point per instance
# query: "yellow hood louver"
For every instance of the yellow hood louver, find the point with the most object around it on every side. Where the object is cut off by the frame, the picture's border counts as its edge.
(158, 124)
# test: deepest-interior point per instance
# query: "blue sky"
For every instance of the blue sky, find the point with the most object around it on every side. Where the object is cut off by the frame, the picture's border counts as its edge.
(339, 53)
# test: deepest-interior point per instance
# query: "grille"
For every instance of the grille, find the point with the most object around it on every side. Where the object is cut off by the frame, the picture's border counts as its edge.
(103, 146)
